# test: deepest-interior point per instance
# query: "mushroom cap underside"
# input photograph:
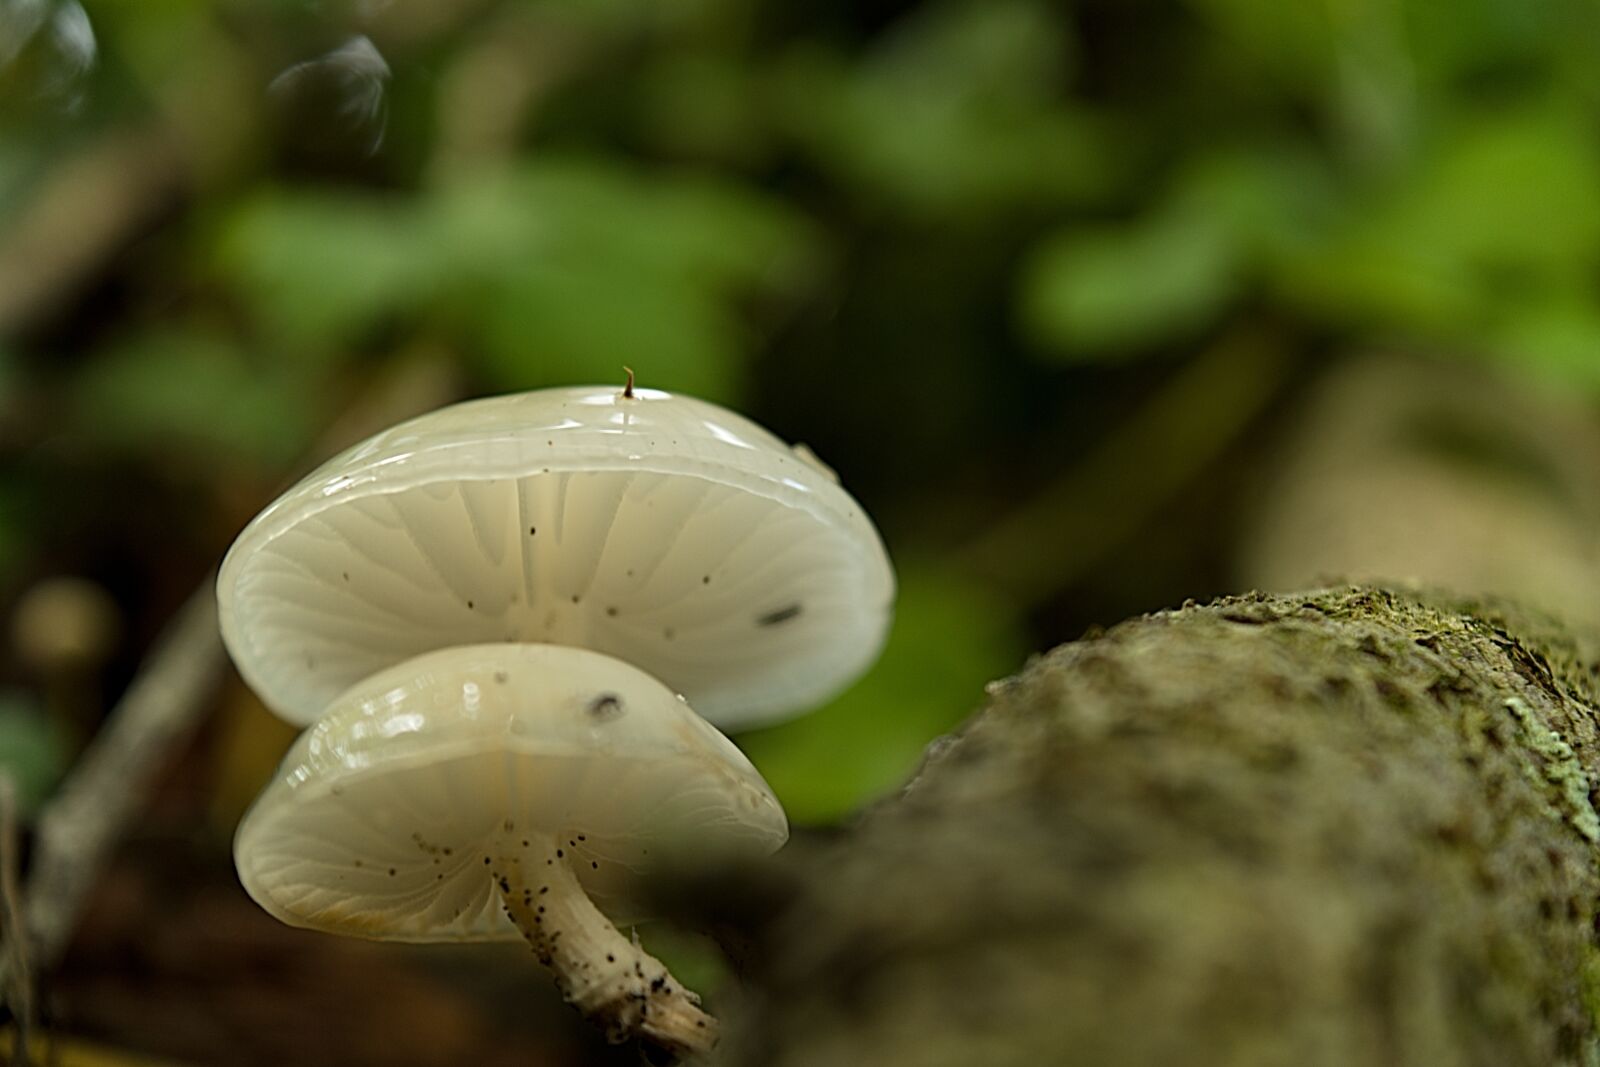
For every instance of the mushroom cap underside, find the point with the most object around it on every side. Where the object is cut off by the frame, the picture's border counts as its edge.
(658, 529)
(387, 817)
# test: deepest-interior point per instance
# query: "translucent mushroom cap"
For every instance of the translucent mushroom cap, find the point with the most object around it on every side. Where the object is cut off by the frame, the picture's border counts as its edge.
(658, 529)
(384, 816)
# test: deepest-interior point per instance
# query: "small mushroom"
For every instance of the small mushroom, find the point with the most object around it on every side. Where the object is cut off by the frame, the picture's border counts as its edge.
(659, 529)
(494, 792)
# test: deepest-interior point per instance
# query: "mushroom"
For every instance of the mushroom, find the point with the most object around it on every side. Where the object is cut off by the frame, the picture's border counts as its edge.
(659, 529)
(487, 792)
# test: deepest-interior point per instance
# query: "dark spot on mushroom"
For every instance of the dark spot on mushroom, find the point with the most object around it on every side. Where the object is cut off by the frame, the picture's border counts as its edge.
(606, 707)
(358, 863)
(705, 579)
(391, 872)
(524, 842)
(447, 852)
(669, 633)
(630, 572)
(561, 854)
(347, 576)
(582, 838)
(611, 612)
(783, 614)
(486, 861)
(500, 677)
(533, 531)
(610, 958)
(469, 605)
(595, 864)
(576, 598)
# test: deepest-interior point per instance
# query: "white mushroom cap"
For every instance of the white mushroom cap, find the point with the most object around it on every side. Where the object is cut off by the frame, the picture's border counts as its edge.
(384, 815)
(659, 529)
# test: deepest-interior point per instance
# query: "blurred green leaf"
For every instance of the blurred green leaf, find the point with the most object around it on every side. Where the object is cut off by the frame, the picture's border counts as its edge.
(567, 270)
(1296, 42)
(1518, 190)
(1104, 292)
(1553, 338)
(317, 268)
(1506, 202)
(32, 750)
(959, 112)
(950, 637)
(192, 393)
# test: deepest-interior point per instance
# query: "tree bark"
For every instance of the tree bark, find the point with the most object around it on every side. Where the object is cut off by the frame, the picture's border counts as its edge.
(1349, 827)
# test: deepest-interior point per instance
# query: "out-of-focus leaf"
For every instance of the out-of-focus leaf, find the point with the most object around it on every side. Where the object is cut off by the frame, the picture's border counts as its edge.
(576, 322)
(1506, 201)
(32, 750)
(318, 268)
(567, 270)
(1099, 293)
(1296, 43)
(959, 111)
(193, 394)
(950, 637)
(1557, 339)
(1513, 191)
(699, 104)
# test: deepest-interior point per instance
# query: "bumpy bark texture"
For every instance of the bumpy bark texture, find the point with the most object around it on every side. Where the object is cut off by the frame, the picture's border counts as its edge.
(1346, 827)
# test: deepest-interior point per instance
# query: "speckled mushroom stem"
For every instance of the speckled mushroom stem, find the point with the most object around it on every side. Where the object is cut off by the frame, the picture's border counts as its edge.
(607, 977)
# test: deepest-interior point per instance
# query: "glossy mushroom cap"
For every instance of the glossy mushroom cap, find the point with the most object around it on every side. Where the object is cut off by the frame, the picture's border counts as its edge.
(383, 816)
(658, 529)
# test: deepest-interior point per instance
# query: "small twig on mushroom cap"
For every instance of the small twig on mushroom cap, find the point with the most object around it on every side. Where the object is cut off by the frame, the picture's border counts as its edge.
(627, 390)
(610, 979)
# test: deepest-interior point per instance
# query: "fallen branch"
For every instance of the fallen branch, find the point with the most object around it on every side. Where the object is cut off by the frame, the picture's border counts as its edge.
(1351, 826)
(107, 787)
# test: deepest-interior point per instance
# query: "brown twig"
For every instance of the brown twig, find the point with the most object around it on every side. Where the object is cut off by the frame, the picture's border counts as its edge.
(108, 785)
(19, 986)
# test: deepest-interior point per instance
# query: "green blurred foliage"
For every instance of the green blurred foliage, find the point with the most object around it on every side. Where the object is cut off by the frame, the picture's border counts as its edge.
(945, 242)
(191, 398)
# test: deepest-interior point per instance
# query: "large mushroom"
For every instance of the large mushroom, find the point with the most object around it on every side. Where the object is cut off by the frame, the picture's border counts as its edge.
(497, 616)
(500, 791)
(659, 529)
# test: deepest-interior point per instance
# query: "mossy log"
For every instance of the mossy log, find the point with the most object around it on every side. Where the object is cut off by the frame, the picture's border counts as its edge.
(1350, 827)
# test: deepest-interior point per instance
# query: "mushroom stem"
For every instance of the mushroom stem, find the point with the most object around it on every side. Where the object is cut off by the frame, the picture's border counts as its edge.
(607, 977)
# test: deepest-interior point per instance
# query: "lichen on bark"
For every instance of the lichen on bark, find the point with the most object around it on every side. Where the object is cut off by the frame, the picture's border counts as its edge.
(1353, 826)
